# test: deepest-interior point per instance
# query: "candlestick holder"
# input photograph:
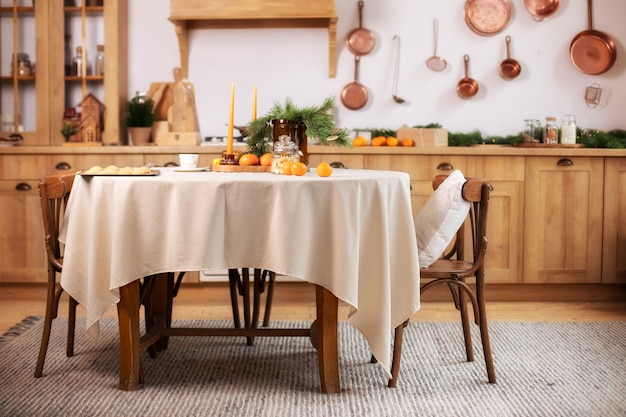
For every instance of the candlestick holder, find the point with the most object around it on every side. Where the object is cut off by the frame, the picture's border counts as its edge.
(228, 159)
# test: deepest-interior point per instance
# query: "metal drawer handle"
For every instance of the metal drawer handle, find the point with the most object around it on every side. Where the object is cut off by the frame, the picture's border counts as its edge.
(63, 166)
(338, 164)
(565, 162)
(445, 166)
(23, 186)
(170, 164)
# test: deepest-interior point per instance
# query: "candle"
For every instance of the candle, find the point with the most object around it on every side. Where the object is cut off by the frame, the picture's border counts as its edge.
(229, 144)
(254, 104)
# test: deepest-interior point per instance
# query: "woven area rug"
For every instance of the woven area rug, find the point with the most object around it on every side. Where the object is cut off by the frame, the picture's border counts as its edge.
(543, 369)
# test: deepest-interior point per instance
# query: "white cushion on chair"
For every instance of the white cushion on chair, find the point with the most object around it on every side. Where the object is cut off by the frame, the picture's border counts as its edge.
(440, 219)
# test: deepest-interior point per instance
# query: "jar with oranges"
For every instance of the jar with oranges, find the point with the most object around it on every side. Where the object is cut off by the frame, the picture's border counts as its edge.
(285, 151)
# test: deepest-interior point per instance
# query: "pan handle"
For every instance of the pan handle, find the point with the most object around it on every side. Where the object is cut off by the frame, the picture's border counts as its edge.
(589, 14)
(360, 13)
(357, 61)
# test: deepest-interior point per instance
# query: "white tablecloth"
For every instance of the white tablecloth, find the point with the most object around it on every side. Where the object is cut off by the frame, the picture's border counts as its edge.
(351, 233)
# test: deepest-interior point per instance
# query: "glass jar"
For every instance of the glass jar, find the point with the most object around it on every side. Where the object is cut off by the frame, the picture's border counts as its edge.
(285, 151)
(550, 131)
(532, 130)
(100, 60)
(568, 129)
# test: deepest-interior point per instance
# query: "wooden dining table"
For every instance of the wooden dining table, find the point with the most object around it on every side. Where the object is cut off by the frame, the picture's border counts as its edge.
(351, 234)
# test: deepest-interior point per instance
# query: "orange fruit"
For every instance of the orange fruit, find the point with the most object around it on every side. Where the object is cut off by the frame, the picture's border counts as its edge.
(266, 160)
(298, 168)
(287, 168)
(407, 142)
(324, 169)
(359, 141)
(378, 141)
(391, 141)
(216, 161)
(248, 159)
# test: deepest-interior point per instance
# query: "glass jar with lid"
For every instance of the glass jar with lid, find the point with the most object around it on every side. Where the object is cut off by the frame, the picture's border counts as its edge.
(568, 129)
(550, 131)
(285, 151)
(532, 130)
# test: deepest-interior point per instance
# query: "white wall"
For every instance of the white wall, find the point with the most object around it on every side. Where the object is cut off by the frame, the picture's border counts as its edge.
(294, 63)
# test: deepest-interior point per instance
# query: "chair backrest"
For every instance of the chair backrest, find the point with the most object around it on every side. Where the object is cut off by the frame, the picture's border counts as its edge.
(477, 192)
(54, 192)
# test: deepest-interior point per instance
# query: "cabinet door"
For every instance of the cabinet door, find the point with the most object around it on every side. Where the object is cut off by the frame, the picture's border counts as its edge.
(22, 249)
(24, 63)
(614, 247)
(563, 218)
(505, 225)
(348, 160)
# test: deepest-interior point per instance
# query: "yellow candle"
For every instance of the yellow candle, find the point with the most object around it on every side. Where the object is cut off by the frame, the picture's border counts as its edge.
(254, 104)
(229, 144)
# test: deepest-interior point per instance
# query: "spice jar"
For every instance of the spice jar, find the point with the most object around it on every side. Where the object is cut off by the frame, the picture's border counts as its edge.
(532, 130)
(568, 129)
(550, 131)
(285, 151)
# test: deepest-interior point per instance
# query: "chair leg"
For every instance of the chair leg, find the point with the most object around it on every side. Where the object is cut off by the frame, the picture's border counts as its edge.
(71, 326)
(269, 298)
(245, 293)
(51, 313)
(467, 334)
(397, 354)
(484, 327)
(233, 281)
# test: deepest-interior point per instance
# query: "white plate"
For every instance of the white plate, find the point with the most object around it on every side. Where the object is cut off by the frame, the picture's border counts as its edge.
(199, 169)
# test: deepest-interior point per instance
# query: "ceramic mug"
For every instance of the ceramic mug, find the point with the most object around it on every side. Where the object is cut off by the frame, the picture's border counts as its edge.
(188, 160)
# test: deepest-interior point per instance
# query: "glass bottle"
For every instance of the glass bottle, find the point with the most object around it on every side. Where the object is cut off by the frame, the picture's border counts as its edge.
(285, 151)
(77, 64)
(100, 61)
(568, 129)
(550, 131)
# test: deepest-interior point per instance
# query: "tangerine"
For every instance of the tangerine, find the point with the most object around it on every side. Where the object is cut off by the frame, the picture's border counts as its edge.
(248, 159)
(391, 141)
(359, 141)
(298, 168)
(287, 168)
(407, 142)
(324, 169)
(378, 141)
(266, 159)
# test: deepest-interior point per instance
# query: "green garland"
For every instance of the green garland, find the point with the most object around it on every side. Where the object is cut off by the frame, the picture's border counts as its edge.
(319, 122)
(591, 138)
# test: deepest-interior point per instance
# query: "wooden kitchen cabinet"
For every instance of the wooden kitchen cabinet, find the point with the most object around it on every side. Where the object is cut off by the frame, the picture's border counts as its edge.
(348, 160)
(614, 227)
(563, 219)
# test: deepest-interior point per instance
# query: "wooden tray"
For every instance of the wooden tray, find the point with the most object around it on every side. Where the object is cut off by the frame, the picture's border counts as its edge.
(547, 145)
(238, 168)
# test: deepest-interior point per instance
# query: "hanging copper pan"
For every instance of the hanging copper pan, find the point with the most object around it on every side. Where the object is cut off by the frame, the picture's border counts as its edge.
(360, 41)
(509, 68)
(467, 87)
(540, 9)
(354, 95)
(591, 51)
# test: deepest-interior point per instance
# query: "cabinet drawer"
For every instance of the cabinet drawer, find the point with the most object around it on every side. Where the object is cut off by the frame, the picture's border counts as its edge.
(350, 161)
(419, 167)
(26, 167)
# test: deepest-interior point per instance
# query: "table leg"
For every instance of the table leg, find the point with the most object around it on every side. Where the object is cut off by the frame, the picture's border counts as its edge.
(327, 347)
(128, 319)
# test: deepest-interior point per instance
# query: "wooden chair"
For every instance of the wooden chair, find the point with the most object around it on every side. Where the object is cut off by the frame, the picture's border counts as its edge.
(463, 260)
(54, 191)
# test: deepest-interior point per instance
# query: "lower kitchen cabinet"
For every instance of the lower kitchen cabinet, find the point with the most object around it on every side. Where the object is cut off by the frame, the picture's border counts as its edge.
(614, 231)
(563, 219)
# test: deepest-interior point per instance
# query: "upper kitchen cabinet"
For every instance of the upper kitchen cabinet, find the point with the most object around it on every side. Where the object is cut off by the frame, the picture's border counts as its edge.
(218, 14)
(80, 32)
(24, 81)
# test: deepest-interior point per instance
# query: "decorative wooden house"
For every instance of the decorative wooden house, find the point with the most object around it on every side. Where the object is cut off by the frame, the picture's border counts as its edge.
(91, 119)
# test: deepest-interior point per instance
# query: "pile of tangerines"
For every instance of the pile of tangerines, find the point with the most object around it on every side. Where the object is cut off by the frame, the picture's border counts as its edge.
(294, 168)
(382, 141)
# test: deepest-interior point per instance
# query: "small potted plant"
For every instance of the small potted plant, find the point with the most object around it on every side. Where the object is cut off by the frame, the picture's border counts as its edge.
(139, 119)
(315, 122)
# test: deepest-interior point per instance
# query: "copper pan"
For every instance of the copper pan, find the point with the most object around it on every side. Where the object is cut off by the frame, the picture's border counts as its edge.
(360, 41)
(467, 87)
(354, 95)
(540, 9)
(509, 68)
(591, 51)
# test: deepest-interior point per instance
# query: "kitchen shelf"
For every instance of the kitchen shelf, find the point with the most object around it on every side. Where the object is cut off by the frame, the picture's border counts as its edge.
(187, 15)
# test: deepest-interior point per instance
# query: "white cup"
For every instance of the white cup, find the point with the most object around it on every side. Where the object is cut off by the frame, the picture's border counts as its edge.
(188, 160)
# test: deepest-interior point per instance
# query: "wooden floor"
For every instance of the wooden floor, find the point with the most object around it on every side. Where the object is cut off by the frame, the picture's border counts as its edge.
(296, 301)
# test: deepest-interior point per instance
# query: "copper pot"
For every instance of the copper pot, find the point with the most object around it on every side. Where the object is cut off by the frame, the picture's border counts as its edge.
(591, 51)
(354, 95)
(540, 9)
(360, 41)
(509, 68)
(467, 87)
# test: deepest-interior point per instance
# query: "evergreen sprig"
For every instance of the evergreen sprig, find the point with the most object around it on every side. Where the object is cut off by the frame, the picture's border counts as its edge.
(318, 120)
(140, 112)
